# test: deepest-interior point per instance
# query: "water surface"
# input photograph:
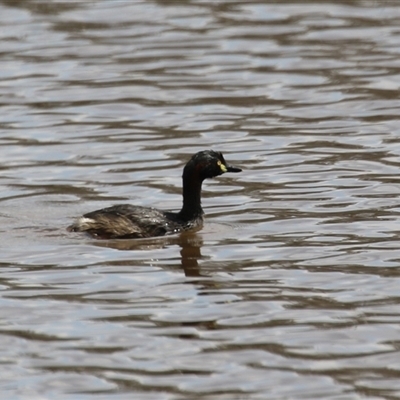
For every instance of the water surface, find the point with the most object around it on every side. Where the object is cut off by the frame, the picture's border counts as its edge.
(291, 290)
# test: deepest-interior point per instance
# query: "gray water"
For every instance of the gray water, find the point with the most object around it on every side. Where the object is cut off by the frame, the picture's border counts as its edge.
(291, 290)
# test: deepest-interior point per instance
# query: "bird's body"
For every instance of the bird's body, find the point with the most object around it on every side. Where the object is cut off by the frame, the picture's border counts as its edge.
(129, 221)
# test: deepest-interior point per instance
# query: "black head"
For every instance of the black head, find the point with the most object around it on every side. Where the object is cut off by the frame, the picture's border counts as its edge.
(208, 164)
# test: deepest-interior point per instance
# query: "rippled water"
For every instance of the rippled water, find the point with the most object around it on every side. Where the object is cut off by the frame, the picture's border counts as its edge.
(291, 290)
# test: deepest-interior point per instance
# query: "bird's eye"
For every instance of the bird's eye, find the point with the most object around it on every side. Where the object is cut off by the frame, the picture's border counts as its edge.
(222, 166)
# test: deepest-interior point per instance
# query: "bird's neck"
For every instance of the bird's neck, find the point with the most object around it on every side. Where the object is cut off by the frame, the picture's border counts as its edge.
(191, 207)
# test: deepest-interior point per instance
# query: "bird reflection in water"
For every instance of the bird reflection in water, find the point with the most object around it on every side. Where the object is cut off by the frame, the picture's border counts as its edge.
(189, 242)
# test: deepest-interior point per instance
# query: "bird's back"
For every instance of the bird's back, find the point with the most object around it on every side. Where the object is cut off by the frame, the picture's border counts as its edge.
(125, 221)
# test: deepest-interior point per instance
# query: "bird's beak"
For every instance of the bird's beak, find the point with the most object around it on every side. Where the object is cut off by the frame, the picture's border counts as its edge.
(231, 168)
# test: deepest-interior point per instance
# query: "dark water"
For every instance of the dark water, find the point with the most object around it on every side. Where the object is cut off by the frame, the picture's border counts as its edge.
(291, 290)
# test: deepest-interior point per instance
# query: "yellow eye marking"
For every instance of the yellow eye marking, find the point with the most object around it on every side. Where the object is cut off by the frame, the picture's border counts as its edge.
(222, 166)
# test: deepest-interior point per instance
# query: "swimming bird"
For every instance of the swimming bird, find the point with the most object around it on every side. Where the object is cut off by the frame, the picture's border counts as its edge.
(129, 221)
